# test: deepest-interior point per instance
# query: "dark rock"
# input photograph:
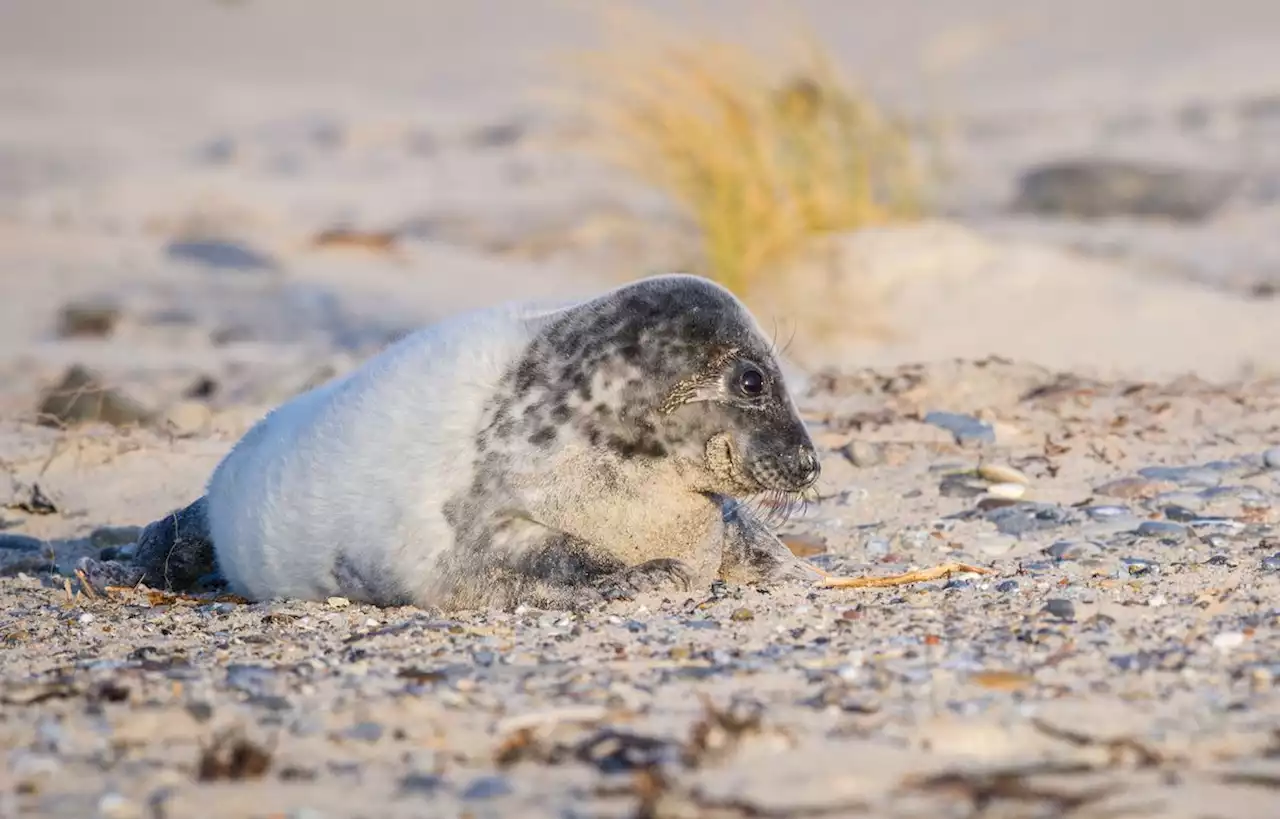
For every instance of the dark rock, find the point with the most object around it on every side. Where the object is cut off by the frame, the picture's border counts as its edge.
(965, 428)
(1272, 564)
(1180, 514)
(1099, 188)
(81, 398)
(203, 387)
(1060, 608)
(87, 320)
(219, 254)
(421, 783)
(1139, 566)
(1007, 586)
(1029, 517)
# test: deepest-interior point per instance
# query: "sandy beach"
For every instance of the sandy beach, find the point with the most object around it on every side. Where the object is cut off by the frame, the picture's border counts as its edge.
(1072, 381)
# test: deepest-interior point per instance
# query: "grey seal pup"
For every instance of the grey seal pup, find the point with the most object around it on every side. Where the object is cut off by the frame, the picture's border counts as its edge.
(551, 457)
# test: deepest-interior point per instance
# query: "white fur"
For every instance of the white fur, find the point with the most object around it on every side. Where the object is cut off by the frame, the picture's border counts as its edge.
(364, 462)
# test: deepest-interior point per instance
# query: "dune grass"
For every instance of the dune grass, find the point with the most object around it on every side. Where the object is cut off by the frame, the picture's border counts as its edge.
(760, 156)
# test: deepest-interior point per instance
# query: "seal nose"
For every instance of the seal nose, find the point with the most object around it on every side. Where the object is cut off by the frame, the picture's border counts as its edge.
(809, 467)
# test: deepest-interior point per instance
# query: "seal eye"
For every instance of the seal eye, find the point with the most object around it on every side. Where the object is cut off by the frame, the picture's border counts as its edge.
(751, 382)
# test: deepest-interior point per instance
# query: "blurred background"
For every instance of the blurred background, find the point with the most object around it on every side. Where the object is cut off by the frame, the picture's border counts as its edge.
(226, 201)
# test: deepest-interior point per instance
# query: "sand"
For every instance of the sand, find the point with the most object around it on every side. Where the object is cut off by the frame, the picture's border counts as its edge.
(178, 162)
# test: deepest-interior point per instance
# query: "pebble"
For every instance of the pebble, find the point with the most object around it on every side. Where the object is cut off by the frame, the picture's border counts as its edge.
(1028, 517)
(1272, 564)
(1271, 458)
(1181, 514)
(1002, 473)
(338, 602)
(487, 787)
(86, 618)
(364, 732)
(116, 806)
(742, 614)
(864, 453)
(186, 419)
(1183, 475)
(88, 319)
(1139, 566)
(1106, 512)
(1060, 608)
(423, 783)
(965, 428)
(1008, 491)
(1071, 550)
(1007, 586)
(219, 254)
(1228, 640)
(876, 547)
(1162, 530)
(1102, 187)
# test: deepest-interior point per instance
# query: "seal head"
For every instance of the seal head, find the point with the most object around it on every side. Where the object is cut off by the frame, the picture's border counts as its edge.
(670, 367)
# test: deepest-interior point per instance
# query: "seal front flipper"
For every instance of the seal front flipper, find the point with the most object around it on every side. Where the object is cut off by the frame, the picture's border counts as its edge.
(652, 575)
(751, 553)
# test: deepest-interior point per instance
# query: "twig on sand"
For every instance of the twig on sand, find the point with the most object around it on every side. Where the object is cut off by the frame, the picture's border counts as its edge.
(920, 576)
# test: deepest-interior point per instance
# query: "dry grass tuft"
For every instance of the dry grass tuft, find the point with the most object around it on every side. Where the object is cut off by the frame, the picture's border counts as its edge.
(760, 156)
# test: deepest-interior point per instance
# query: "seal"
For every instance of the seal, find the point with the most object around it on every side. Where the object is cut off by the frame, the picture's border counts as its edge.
(556, 457)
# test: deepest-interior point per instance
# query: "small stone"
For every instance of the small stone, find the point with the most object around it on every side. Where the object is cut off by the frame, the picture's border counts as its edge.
(1007, 586)
(1007, 491)
(1060, 608)
(338, 602)
(364, 732)
(86, 618)
(1272, 564)
(876, 547)
(1228, 640)
(1162, 530)
(1101, 187)
(864, 453)
(1183, 475)
(1157, 600)
(1106, 512)
(487, 787)
(187, 418)
(220, 255)
(89, 319)
(1139, 566)
(966, 429)
(1027, 517)
(421, 783)
(116, 806)
(742, 615)
(1271, 458)
(1002, 473)
(1071, 550)
(1180, 514)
